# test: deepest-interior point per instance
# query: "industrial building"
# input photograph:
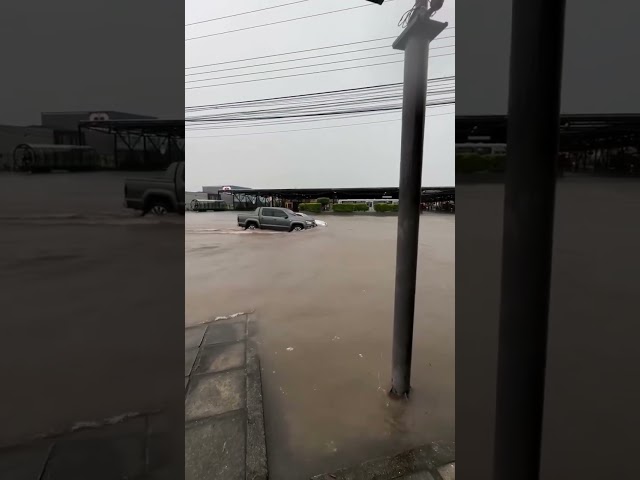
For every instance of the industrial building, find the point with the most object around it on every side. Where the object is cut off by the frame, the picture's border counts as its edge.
(117, 139)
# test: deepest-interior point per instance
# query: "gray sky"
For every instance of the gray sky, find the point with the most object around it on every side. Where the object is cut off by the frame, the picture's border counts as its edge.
(600, 73)
(354, 156)
(78, 55)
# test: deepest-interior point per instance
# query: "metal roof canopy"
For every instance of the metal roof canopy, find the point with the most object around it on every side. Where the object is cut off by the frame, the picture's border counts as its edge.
(340, 193)
(577, 131)
(170, 128)
(44, 147)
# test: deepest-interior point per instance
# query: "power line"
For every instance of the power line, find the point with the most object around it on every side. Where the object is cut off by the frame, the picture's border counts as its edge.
(397, 106)
(322, 104)
(315, 94)
(293, 68)
(302, 74)
(307, 50)
(310, 115)
(288, 53)
(278, 22)
(244, 13)
(304, 58)
(249, 124)
(314, 128)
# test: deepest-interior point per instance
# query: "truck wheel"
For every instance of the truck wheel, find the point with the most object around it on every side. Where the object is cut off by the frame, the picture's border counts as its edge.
(157, 206)
(251, 226)
(297, 228)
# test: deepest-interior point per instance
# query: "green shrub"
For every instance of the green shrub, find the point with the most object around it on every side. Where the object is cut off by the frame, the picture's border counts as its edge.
(343, 207)
(324, 201)
(480, 163)
(310, 207)
(385, 207)
(360, 207)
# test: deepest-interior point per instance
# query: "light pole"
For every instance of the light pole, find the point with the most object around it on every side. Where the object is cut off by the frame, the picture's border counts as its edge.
(414, 40)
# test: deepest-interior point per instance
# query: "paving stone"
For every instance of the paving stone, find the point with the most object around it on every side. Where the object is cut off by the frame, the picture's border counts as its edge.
(24, 463)
(193, 336)
(130, 426)
(214, 449)
(164, 442)
(97, 459)
(224, 333)
(189, 359)
(217, 358)
(164, 474)
(215, 394)
(418, 476)
(448, 472)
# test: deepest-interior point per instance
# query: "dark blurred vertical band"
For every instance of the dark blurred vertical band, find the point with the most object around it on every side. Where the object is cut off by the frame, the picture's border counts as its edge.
(533, 130)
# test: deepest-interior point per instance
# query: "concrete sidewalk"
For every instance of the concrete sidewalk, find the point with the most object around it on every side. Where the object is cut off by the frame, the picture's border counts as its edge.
(138, 447)
(224, 419)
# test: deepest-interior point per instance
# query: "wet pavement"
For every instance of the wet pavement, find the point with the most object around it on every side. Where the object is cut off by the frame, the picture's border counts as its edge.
(224, 419)
(324, 300)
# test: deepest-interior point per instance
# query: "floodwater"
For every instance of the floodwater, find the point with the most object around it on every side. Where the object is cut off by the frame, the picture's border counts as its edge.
(82, 334)
(324, 303)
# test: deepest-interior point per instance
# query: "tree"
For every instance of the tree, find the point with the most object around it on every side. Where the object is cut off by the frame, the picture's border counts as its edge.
(324, 201)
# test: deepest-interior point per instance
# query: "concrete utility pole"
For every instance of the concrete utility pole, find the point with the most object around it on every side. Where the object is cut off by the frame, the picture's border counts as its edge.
(532, 146)
(414, 40)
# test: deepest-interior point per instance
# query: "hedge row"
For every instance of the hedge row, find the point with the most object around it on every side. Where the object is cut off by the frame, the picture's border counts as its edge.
(350, 207)
(385, 207)
(480, 163)
(310, 207)
(343, 207)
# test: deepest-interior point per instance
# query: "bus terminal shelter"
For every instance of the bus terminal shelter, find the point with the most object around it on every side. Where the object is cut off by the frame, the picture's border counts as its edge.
(139, 144)
(250, 198)
(589, 142)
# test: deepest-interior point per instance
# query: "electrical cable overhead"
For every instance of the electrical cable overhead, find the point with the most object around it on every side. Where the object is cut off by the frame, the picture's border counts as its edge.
(264, 123)
(322, 104)
(313, 128)
(244, 13)
(355, 90)
(279, 22)
(310, 50)
(326, 114)
(294, 67)
(292, 116)
(303, 74)
(304, 58)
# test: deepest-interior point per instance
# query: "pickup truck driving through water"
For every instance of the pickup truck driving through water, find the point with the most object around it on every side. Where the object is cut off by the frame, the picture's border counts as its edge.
(272, 218)
(157, 195)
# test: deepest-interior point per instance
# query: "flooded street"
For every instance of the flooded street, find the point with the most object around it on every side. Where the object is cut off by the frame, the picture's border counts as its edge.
(324, 303)
(83, 336)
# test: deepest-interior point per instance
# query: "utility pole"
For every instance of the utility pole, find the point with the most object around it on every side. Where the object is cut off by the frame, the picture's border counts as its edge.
(414, 41)
(532, 146)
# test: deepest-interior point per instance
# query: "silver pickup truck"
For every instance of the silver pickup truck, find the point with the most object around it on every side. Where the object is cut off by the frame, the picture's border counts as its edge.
(157, 195)
(273, 218)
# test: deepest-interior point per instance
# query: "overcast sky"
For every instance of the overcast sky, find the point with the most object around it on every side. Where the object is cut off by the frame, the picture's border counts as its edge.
(351, 156)
(77, 55)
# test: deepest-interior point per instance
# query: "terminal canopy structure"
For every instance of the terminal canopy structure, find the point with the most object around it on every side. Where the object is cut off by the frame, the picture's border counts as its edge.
(151, 143)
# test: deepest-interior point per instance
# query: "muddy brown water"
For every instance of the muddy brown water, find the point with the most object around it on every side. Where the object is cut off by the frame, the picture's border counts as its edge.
(324, 303)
